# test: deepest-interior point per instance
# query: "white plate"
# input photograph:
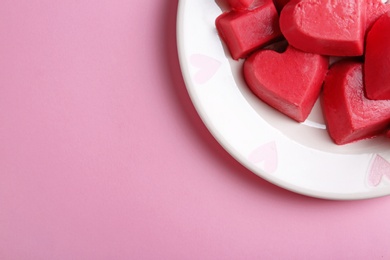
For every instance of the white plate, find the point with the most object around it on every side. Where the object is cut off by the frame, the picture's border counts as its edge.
(298, 157)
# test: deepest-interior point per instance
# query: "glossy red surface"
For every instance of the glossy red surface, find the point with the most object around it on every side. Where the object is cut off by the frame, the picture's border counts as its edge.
(377, 60)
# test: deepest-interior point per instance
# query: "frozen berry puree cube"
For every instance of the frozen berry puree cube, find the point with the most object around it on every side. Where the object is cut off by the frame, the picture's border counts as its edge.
(289, 82)
(244, 32)
(349, 115)
(377, 59)
(375, 8)
(327, 27)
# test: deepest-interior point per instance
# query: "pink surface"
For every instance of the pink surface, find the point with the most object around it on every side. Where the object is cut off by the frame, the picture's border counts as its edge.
(102, 155)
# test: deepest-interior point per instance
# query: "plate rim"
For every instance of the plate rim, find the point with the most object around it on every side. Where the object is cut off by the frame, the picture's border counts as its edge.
(379, 192)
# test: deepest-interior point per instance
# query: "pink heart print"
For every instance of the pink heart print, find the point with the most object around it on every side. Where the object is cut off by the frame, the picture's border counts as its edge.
(207, 67)
(266, 154)
(380, 169)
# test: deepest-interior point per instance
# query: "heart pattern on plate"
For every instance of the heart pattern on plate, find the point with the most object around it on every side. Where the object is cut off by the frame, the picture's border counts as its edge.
(266, 154)
(379, 170)
(207, 67)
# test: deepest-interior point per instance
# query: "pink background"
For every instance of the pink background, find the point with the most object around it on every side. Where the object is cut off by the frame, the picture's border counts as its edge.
(102, 155)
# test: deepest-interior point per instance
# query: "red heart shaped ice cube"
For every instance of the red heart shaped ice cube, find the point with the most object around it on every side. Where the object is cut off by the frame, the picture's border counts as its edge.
(290, 81)
(245, 31)
(375, 8)
(328, 27)
(349, 115)
(377, 59)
